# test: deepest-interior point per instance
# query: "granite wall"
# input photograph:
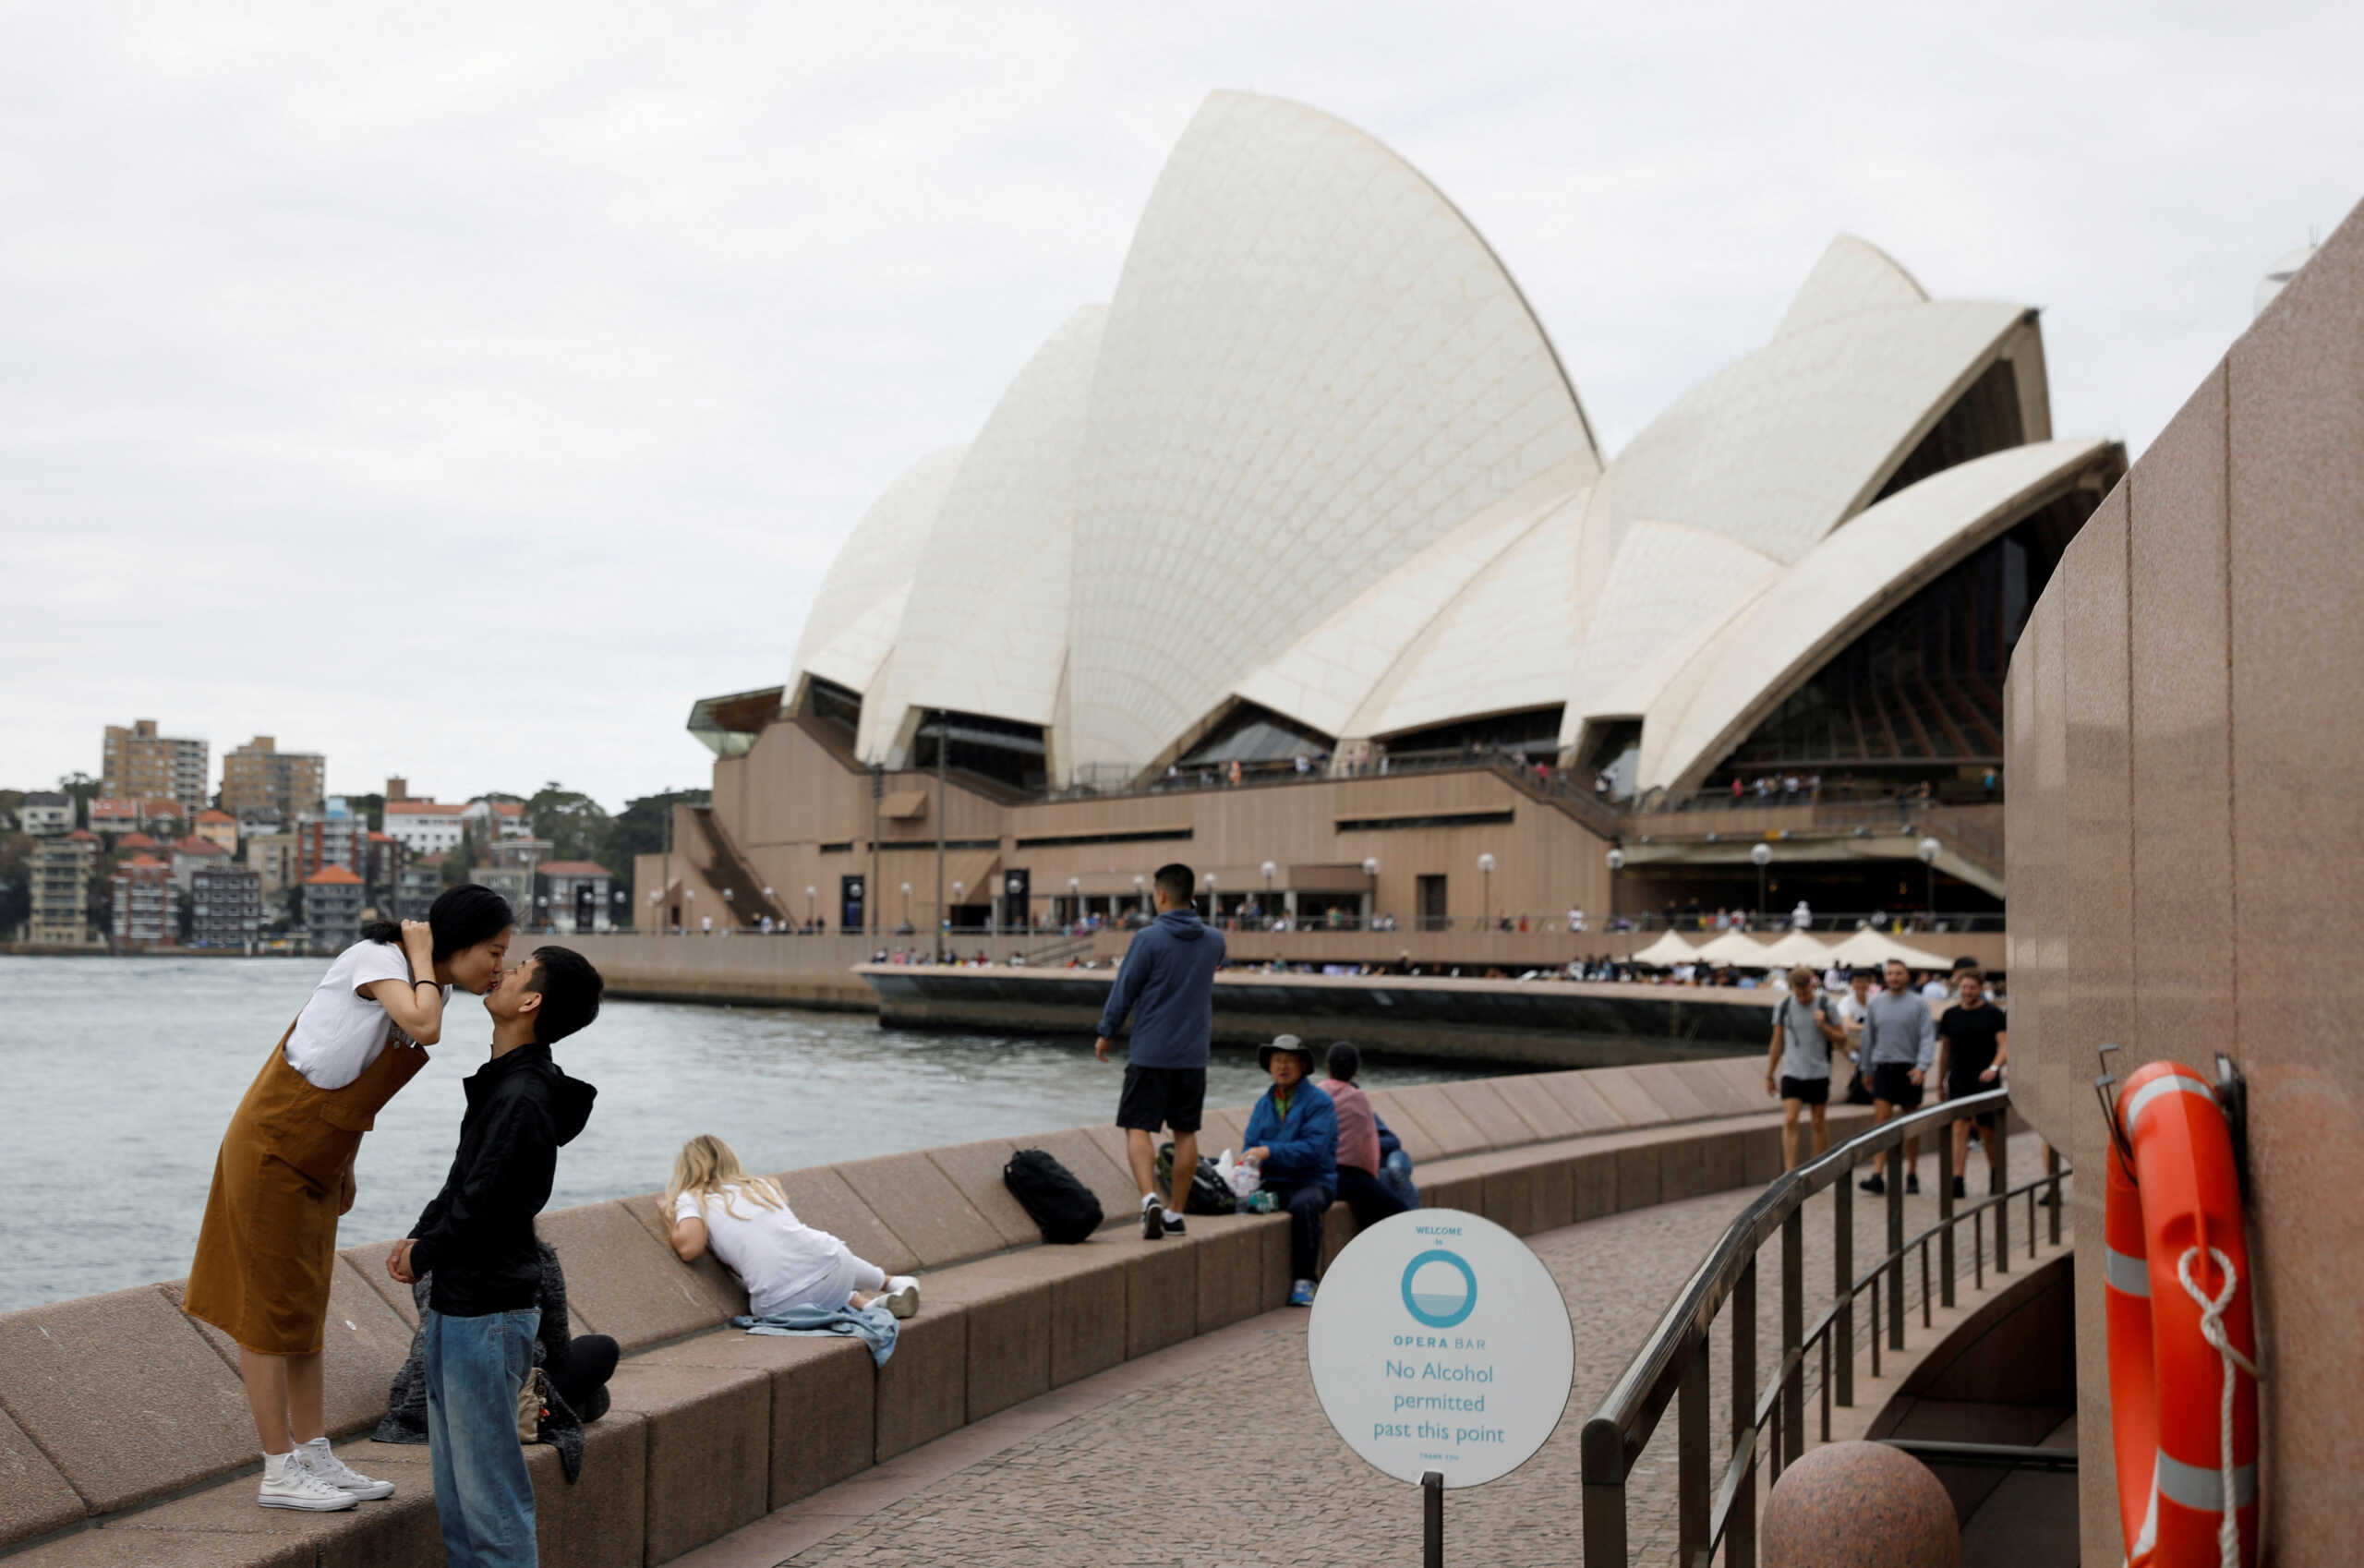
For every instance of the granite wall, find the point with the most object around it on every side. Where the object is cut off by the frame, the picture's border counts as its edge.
(2186, 848)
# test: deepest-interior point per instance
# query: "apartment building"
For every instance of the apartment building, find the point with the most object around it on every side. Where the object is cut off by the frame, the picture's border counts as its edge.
(225, 907)
(219, 827)
(147, 906)
(45, 813)
(427, 828)
(139, 763)
(332, 835)
(60, 872)
(333, 898)
(272, 857)
(492, 821)
(573, 895)
(259, 777)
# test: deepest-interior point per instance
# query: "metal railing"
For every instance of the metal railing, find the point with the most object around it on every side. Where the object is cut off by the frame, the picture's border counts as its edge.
(1717, 1505)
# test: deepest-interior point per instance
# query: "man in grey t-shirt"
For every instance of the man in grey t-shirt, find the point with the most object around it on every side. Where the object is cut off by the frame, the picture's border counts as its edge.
(1899, 1042)
(1797, 1065)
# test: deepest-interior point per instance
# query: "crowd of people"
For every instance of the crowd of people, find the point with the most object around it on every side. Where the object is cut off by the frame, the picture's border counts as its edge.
(1951, 1034)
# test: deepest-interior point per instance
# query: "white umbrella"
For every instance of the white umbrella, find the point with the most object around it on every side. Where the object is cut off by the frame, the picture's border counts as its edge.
(1796, 948)
(1731, 947)
(1867, 949)
(1665, 952)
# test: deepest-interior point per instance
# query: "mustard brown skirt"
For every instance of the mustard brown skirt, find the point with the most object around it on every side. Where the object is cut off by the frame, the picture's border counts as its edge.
(267, 1251)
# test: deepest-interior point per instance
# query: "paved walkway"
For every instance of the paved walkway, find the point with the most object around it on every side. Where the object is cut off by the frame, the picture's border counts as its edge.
(1215, 1451)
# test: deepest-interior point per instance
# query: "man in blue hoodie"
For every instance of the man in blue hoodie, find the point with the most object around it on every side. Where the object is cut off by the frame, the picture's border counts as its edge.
(1167, 983)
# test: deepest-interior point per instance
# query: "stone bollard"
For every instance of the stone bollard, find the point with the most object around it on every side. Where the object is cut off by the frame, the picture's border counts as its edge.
(1859, 1505)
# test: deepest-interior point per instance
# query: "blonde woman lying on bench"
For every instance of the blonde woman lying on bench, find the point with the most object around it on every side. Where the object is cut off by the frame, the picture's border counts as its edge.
(782, 1261)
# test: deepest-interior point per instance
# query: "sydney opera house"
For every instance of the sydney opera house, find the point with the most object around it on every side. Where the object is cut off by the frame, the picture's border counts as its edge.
(1298, 559)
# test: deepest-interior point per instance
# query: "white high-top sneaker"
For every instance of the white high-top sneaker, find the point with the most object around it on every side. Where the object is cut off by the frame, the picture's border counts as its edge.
(294, 1486)
(901, 1296)
(338, 1474)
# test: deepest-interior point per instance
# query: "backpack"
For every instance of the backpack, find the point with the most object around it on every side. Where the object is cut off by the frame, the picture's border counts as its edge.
(1060, 1206)
(1209, 1194)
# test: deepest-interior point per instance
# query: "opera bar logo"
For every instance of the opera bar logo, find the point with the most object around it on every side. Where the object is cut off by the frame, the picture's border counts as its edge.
(1440, 1289)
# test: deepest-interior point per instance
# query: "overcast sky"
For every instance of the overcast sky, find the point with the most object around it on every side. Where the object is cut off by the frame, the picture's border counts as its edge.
(463, 390)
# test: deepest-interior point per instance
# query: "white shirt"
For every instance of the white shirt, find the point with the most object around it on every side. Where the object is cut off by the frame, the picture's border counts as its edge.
(1852, 1013)
(778, 1257)
(341, 1030)
(1937, 991)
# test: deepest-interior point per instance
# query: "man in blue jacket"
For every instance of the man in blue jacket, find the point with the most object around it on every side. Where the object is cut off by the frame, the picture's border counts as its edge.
(1167, 983)
(1293, 1136)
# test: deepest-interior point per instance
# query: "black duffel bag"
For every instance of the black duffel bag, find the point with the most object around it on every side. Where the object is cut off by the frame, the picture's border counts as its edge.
(1060, 1206)
(1208, 1194)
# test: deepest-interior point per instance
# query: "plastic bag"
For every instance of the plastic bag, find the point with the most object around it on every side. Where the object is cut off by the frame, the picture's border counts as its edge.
(1241, 1176)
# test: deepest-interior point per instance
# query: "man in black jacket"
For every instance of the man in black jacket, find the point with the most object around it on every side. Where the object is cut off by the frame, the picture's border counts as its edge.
(477, 1239)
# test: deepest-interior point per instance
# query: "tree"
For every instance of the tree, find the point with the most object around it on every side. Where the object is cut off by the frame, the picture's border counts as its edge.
(370, 806)
(98, 894)
(15, 880)
(459, 864)
(84, 790)
(578, 828)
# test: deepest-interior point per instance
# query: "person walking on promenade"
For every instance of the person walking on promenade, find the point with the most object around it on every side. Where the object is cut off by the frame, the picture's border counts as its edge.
(1899, 1041)
(782, 1261)
(1805, 1028)
(1166, 982)
(476, 1239)
(1292, 1136)
(1359, 1132)
(267, 1247)
(1973, 1043)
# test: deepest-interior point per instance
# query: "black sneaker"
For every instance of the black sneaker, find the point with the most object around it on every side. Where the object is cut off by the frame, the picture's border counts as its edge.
(1873, 1184)
(1173, 1226)
(1959, 1191)
(1912, 1182)
(1152, 1226)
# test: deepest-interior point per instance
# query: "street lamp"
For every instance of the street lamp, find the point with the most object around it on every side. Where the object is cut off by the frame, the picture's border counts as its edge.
(1616, 864)
(810, 894)
(1929, 849)
(1485, 868)
(907, 903)
(1140, 901)
(1212, 910)
(1371, 909)
(1761, 856)
(1075, 896)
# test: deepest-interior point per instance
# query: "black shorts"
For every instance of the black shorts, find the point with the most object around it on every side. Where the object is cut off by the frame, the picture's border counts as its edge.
(1962, 1089)
(1892, 1081)
(1812, 1090)
(1162, 1097)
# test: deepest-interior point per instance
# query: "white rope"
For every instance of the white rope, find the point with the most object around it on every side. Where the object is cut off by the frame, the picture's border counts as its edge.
(2212, 1328)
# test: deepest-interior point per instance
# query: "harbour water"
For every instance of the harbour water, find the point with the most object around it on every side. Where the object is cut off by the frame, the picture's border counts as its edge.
(118, 1075)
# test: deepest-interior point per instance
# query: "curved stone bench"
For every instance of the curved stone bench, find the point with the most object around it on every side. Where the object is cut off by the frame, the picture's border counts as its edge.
(125, 1439)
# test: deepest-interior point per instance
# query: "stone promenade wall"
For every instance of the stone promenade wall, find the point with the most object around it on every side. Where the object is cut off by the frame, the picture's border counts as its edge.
(2186, 735)
(124, 1438)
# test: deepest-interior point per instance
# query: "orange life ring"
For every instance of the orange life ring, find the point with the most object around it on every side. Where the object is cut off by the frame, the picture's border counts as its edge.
(2182, 1336)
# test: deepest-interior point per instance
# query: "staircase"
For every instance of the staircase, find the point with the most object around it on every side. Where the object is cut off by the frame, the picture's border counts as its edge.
(730, 874)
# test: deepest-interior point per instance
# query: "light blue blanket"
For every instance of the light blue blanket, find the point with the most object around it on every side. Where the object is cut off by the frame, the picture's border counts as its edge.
(873, 1325)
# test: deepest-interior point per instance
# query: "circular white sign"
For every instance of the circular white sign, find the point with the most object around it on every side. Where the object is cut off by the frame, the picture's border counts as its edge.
(1440, 1342)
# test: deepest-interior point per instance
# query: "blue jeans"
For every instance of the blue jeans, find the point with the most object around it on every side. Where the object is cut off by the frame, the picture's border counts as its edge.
(474, 1366)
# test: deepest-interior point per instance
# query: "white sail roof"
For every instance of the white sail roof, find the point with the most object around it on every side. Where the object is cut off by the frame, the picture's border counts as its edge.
(1313, 371)
(985, 629)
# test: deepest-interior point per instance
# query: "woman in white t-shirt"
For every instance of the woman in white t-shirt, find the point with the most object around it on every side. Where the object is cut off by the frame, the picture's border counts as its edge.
(782, 1261)
(268, 1248)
